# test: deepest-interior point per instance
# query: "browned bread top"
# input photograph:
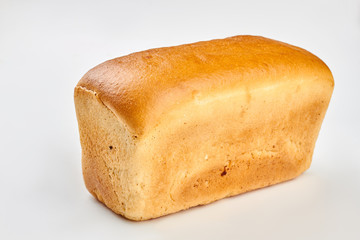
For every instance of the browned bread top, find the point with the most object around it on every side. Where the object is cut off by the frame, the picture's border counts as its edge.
(141, 86)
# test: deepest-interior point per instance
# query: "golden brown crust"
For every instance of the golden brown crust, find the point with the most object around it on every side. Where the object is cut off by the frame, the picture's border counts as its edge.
(167, 129)
(141, 86)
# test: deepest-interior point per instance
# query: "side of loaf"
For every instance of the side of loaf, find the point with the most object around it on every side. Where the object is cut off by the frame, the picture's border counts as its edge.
(167, 129)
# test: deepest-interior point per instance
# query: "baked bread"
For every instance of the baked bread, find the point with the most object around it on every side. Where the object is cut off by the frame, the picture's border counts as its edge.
(170, 128)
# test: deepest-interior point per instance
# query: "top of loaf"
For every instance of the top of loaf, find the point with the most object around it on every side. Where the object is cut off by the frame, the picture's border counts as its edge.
(142, 86)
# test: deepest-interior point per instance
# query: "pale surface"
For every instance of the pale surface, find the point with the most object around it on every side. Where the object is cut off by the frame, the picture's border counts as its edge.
(47, 47)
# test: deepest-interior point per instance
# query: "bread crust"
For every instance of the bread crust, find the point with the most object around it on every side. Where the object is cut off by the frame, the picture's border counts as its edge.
(167, 129)
(141, 86)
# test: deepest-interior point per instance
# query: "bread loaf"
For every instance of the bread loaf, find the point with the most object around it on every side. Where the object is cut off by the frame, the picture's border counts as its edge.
(167, 129)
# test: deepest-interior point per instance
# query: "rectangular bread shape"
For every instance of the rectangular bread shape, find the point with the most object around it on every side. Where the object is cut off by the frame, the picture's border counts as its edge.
(167, 129)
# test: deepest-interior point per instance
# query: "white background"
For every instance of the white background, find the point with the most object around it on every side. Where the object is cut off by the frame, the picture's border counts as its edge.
(46, 47)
